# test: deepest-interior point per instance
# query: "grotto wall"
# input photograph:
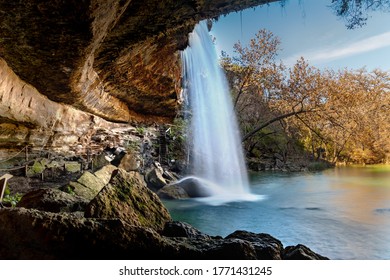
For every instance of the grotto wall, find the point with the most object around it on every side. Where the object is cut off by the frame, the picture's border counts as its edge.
(70, 67)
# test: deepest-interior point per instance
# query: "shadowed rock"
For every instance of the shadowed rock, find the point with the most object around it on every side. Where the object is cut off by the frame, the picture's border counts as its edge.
(34, 234)
(181, 229)
(53, 200)
(266, 246)
(301, 252)
(127, 197)
(172, 192)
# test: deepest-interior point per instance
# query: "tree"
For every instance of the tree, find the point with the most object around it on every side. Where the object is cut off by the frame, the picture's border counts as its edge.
(342, 116)
(355, 12)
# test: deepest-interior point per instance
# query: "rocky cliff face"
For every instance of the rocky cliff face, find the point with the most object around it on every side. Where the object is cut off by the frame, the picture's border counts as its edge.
(69, 68)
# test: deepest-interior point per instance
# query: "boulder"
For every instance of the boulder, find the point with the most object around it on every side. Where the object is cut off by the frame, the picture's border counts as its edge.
(127, 197)
(193, 244)
(179, 166)
(104, 174)
(154, 178)
(129, 162)
(36, 168)
(34, 234)
(279, 164)
(172, 192)
(182, 229)
(72, 167)
(214, 249)
(266, 246)
(301, 252)
(53, 200)
(100, 161)
(90, 181)
(192, 186)
(89, 185)
(170, 176)
(81, 190)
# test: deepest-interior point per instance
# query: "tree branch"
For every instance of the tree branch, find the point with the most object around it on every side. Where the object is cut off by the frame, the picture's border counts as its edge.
(278, 118)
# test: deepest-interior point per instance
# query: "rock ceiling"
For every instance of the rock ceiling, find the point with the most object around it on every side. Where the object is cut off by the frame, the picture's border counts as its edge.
(117, 60)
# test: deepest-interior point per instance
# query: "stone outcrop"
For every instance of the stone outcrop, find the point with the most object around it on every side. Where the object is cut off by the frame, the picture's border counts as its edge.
(53, 200)
(127, 197)
(182, 229)
(28, 117)
(172, 192)
(301, 252)
(154, 178)
(34, 234)
(186, 187)
(69, 67)
(124, 221)
(266, 246)
(88, 185)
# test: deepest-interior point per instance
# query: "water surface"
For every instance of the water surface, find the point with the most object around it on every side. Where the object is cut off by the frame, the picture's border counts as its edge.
(341, 213)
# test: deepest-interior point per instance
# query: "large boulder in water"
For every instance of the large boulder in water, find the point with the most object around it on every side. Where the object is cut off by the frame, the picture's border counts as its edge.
(126, 197)
(193, 186)
(172, 192)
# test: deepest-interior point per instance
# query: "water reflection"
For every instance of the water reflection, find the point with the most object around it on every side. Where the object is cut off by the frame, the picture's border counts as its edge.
(361, 192)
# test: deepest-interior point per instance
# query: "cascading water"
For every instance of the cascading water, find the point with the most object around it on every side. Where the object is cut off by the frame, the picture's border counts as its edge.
(216, 155)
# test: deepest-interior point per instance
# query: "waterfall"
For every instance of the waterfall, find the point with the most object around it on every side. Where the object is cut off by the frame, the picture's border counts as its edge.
(217, 158)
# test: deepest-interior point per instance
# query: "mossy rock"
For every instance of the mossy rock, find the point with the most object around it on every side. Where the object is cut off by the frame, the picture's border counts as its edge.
(90, 181)
(36, 168)
(72, 167)
(105, 173)
(126, 197)
(81, 190)
(53, 164)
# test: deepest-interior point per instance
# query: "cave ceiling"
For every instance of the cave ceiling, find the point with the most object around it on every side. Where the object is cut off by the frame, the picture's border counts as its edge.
(116, 59)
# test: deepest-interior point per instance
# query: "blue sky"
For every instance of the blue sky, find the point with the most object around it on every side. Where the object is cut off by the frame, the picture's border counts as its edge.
(309, 28)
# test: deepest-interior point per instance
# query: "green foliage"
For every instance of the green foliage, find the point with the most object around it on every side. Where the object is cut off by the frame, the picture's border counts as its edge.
(68, 189)
(11, 199)
(140, 130)
(132, 146)
(178, 138)
(318, 166)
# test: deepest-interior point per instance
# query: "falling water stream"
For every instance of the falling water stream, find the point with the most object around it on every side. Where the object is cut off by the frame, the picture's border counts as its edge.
(216, 155)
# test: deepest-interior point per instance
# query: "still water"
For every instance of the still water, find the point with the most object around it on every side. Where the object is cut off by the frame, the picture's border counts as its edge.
(341, 213)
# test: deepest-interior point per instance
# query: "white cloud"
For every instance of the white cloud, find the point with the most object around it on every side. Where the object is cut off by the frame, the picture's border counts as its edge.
(331, 54)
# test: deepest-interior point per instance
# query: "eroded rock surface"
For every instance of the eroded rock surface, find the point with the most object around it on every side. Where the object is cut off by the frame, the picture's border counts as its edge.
(66, 66)
(127, 197)
(53, 200)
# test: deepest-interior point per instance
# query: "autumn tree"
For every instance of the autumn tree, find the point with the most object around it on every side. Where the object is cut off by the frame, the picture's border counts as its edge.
(266, 93)
(358, 116)
(342, 116)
